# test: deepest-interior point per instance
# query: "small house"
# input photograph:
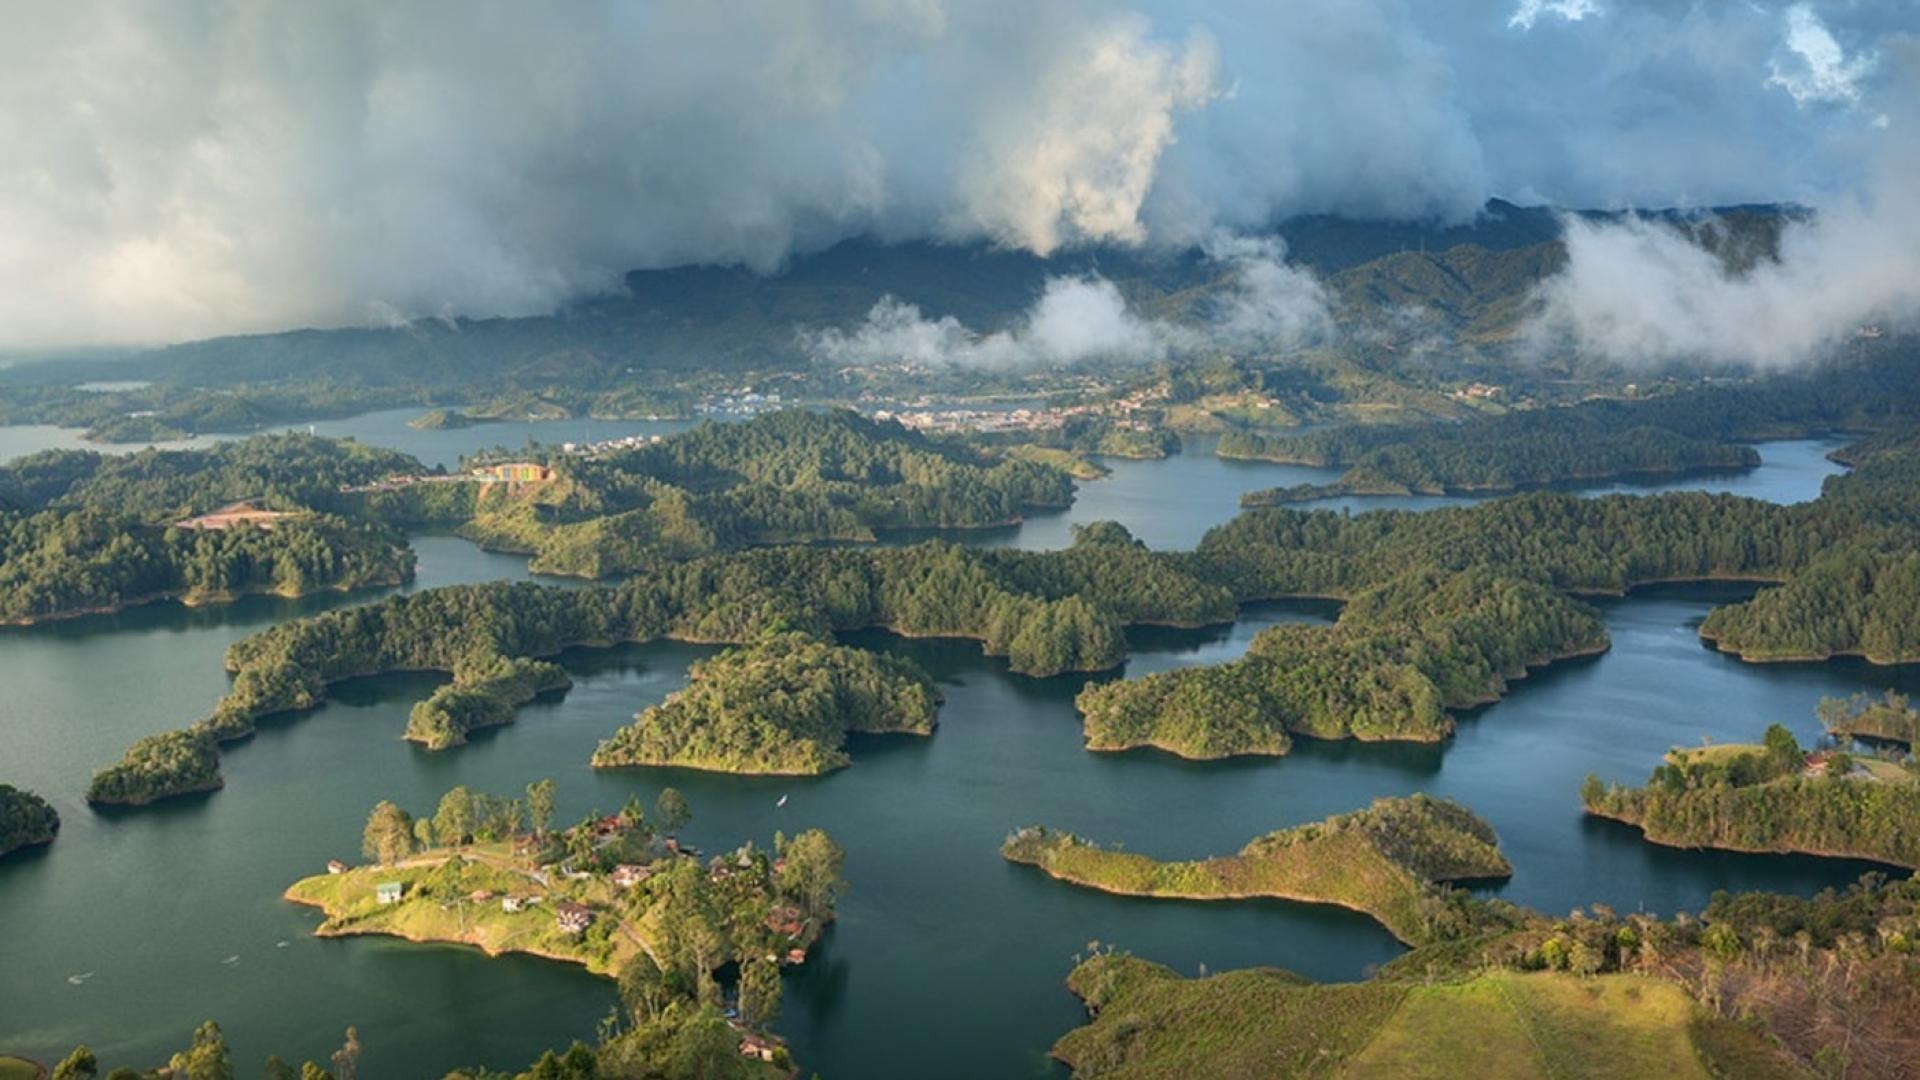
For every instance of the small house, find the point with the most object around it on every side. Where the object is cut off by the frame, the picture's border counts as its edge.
(480, 896)
(572, 918)
(796, 956)
(388, 892)
(335, 866)
(754, 1046)
(627, 875)
(511, 903)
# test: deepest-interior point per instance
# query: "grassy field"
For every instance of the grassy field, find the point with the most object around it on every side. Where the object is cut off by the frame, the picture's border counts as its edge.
(436, 907)
(1150, 1023)
(1346, 861)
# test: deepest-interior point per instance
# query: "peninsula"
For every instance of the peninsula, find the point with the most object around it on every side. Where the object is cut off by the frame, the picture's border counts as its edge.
(1387, 861)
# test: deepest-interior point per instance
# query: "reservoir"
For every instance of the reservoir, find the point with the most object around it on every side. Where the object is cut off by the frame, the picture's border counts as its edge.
(946, 961)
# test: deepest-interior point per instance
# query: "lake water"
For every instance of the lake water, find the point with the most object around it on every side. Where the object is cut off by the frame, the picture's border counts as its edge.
(946, 962)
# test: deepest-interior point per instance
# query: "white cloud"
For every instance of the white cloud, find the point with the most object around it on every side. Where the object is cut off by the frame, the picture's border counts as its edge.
(1267, 304)
(1070, 157)
(1639, 292)
(1271, 302)
(1075, 319)
(1817, 71)
(1530, 11)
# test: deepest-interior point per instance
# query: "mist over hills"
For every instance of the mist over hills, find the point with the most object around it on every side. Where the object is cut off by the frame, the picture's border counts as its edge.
(1470, 282)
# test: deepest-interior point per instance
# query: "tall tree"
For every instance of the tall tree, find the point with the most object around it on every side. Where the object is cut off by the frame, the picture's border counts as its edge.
(388, 837)
(760, 992)
(453, 818)
(208, 1057)
(671, 810)
(540, 805)
(812, 871)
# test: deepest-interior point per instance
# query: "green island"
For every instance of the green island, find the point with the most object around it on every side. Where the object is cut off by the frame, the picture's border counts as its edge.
(781, 706)
(26, 820)
(83, 532)
(1889, 718)
(1443, 609)
(788, 477)
(1387, 861)
(1401, 655)
(1746, 988)
(1045, 612)
(617, 894)
(1772, 797)
(484, 693)
(447, 420)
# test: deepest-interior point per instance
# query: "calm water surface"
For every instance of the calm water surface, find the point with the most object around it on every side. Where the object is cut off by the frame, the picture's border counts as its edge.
(946, 961)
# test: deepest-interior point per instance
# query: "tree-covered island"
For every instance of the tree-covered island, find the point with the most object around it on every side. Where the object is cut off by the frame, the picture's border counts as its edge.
(1443, 609)
(1047, 613)
(1773, 797)
(26, 820)
(783, 705)
(1388, 860)
(1890, 718)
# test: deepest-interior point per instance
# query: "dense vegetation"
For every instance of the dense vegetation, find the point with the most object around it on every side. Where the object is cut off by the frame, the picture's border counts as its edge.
(157, 767)
(1444, 607)
(787, 477)
(1688, 431)
(1385, 860)
(1047, 613)
(1772, 797)
(1888, 718)
(484, 693)
(1401, 655)
(81, 531)
(1533, 448)
(783, 705)
(1861, 600)
(25, 819)
(55, 564)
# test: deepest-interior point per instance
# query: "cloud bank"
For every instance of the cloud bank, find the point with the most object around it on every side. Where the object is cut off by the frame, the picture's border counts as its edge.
(1639, 292)
(214, 166)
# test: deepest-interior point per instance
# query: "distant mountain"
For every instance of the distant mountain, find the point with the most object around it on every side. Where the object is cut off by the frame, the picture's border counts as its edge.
(1467, 279)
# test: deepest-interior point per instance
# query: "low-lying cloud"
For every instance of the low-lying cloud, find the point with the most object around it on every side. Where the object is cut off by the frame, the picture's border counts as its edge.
(1638, 291)
(1263, 303)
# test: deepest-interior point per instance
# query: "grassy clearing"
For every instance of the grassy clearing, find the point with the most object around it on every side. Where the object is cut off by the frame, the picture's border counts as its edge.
(436, 906)
(1150, 1023)
(1443, 1032)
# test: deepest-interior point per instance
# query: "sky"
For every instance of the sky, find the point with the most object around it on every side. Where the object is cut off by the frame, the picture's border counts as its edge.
(202, 167)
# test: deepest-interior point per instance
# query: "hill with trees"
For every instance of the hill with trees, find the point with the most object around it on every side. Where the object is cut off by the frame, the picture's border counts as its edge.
(25, 819)
(782, 705)
(1772, 797)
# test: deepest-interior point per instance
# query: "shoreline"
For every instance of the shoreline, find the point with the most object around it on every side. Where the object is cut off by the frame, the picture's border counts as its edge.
(1679, 845)
(324, 931)
(187, 599)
